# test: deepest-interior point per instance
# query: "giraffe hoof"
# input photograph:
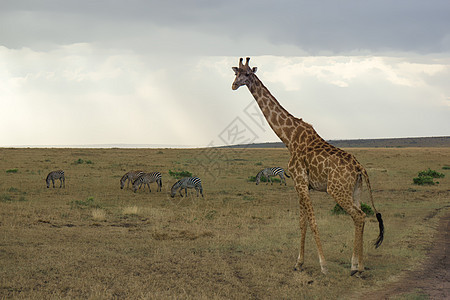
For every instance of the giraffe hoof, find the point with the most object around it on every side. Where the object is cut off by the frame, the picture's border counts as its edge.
(298, 267)
(358, 274)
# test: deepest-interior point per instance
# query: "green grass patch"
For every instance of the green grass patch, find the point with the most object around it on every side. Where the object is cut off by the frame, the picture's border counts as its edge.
(10, 171)
(82, 161)
(263, 179)
(88, 203)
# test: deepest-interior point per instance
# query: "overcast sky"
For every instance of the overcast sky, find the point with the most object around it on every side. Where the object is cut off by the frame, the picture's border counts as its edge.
(85, 72)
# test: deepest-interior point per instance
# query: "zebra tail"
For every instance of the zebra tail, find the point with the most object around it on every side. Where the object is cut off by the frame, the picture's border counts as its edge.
(287, 175)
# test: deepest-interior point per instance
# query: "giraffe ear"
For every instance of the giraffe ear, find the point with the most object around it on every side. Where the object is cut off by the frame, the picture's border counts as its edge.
(235, 69)
(254, 69)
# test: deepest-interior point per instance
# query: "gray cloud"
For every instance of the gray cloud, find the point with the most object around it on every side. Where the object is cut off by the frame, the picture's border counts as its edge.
(227, 28)
(159, 72)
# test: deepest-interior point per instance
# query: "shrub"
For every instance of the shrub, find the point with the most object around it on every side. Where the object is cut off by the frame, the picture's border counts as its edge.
(338, 210)
(423, 180)
(426, 177)
(180, 174)
(431, 173)
(12, 171)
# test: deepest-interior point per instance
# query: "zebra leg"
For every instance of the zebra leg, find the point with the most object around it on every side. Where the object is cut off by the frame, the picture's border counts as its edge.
(201, 192)
(185, 191)
(64, 182)
(53, 181)
(181, 193)
(282, 179)
(271, 182)
(60, 182)
(149, 190)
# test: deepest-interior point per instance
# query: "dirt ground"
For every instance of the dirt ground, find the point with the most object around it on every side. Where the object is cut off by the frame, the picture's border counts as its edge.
(432, 278)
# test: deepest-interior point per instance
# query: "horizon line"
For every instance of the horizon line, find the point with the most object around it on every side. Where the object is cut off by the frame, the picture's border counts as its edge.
(162, 146)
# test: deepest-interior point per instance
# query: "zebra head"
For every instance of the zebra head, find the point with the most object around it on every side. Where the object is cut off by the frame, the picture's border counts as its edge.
(243, 74)
(174, 188)
(47, 180)
(258, 177)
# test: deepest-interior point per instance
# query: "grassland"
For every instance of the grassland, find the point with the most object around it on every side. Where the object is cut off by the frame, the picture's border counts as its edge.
(93, 240)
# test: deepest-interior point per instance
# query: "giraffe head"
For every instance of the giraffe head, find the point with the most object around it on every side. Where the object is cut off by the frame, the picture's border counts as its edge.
(243, 73)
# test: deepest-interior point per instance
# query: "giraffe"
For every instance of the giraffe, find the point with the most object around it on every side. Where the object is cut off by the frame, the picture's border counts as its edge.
(314, 164)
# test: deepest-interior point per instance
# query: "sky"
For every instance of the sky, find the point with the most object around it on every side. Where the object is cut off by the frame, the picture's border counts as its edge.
(86, 72)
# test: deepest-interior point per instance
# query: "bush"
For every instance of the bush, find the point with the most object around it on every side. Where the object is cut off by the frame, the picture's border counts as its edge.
(423, 180)
(426, 177)
(338, 210)
(12, 171)
(180, 174)
(431, 173)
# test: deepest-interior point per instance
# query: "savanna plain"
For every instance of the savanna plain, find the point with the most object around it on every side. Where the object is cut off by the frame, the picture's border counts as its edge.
(92, 240)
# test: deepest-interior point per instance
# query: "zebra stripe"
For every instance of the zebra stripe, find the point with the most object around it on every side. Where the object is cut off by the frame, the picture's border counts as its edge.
(185, 183)
(269, 172)
(59, 174)
(130, 176)
(146, 179)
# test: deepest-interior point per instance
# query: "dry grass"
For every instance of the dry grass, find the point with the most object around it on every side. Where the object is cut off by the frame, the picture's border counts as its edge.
(98, 214)
(94, 240)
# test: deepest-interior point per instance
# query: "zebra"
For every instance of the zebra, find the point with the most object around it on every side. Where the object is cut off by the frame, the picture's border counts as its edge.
(130, 176)
(269, 172)
(59, 174)
(185, 183)
(146, 179)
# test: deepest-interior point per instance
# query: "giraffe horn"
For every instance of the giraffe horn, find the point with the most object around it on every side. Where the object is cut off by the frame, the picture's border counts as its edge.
(246, 61)
(240, 63)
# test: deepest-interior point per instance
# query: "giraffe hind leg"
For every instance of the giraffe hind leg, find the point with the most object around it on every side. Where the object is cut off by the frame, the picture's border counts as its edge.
(358, 216)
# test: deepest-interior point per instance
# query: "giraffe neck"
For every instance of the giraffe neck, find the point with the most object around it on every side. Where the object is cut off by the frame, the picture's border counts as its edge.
(285, 126)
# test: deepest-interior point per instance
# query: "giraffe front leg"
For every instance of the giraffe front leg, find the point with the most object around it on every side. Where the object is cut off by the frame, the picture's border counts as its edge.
(303, 228)
(315, 231)
(307, 210)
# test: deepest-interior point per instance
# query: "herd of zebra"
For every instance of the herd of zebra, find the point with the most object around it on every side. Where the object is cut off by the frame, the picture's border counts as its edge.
(141, 178)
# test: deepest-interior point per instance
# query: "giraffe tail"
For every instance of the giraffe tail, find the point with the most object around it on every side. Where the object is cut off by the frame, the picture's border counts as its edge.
(380, 238)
